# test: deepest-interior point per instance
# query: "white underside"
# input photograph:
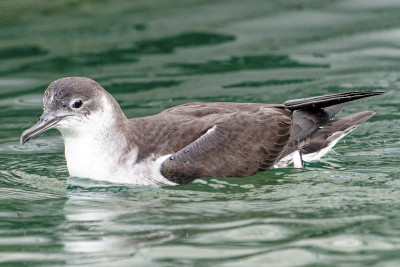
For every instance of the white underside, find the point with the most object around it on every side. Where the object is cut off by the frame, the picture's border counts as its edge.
(294, 157)
(87, 159)
(84, 159)
(101, 165)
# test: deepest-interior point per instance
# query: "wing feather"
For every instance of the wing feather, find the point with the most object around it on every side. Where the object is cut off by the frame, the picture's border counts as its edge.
(241, 145)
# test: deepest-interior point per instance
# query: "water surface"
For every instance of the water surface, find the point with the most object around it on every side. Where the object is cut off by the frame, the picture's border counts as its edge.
(152, 55)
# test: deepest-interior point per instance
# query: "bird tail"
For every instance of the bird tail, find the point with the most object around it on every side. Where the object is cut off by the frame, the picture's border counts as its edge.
(322, 140)
(314, 130)
(320, 102)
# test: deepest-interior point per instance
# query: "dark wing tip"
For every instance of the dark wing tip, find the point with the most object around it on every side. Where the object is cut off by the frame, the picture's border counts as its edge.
(319, 102)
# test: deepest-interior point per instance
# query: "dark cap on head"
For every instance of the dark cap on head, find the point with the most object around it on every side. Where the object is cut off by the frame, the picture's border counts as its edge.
(69, 89)
(73, 99)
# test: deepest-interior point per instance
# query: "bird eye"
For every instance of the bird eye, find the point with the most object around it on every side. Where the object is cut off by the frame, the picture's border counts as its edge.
(77, 104)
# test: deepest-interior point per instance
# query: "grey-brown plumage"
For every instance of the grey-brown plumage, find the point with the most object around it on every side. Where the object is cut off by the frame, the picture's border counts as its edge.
(256, 137)
(188, 141)
(248, 139)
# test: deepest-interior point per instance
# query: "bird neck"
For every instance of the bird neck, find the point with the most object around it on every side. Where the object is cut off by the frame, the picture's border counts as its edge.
(95, 151)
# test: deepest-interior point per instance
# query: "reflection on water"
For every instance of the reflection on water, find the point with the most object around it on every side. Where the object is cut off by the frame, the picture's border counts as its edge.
(22, 51)
(151, 56)
(267, 83)
(242, 63)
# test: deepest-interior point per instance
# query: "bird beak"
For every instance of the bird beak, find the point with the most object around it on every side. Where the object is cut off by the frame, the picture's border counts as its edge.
(46, 122)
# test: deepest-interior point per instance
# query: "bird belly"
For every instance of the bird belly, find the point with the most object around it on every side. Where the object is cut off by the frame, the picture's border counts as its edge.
(87, 160)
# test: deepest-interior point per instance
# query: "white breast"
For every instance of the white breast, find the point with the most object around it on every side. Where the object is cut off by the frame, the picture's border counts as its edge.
(96, 149)
(93, 158)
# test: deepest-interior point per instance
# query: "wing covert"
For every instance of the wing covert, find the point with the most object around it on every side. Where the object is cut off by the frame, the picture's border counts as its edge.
(240, 145)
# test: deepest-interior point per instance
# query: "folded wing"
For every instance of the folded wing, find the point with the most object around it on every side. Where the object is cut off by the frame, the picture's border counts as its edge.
(241, 145)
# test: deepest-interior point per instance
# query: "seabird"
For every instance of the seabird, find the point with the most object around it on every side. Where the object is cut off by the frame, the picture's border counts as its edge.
(188, 141)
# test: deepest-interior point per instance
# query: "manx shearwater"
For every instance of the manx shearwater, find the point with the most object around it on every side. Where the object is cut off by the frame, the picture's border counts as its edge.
(191, 140)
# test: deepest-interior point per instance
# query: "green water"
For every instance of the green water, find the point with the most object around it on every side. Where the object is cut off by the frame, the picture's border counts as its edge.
(151, 55)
